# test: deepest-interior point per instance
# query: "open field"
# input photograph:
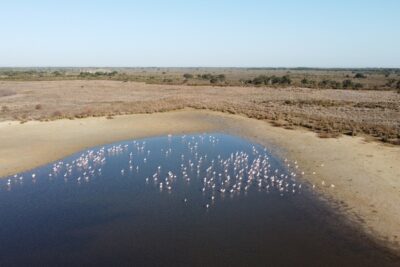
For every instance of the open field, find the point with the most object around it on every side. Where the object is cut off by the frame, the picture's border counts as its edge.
(329, 112)
(358, 169)
(359, 79)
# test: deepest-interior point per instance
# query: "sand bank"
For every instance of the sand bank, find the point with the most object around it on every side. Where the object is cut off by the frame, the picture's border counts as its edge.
(366, 176)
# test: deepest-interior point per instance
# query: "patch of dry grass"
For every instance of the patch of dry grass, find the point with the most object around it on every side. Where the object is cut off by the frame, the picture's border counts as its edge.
(6, 92)
(326, 112)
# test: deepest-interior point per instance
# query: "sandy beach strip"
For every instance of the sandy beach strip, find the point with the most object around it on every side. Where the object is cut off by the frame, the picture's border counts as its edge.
(364, 177)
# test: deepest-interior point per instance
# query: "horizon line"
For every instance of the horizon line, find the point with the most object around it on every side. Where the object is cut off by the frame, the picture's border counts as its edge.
(198, 67)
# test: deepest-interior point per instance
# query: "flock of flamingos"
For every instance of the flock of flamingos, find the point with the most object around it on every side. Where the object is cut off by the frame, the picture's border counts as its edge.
(239, 172)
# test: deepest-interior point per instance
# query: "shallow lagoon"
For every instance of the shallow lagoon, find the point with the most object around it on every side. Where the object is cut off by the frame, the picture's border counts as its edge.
(208, 199)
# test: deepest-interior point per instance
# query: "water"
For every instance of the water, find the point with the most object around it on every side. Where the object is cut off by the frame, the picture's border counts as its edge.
(222, 201)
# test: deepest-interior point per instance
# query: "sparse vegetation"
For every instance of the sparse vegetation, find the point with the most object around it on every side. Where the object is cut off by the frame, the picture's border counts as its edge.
(212, 78)
(326, 112)
(6, 92)
(270, 80)
(330, 84)
(5, 109)
(366, 79)
(57, 114)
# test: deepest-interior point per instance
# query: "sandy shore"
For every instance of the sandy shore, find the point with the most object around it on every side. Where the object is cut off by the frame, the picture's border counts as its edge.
(366, 175)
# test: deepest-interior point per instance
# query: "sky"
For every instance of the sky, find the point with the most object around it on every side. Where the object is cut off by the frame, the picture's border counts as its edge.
(200, 33)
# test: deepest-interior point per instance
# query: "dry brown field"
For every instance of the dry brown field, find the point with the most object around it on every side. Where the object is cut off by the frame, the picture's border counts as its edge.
(374, 114)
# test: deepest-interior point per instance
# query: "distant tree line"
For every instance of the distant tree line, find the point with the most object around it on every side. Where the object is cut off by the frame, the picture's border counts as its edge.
(286, 80)
(23, 73)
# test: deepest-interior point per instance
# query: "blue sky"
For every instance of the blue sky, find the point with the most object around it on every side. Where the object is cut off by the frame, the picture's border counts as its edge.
(251, 33)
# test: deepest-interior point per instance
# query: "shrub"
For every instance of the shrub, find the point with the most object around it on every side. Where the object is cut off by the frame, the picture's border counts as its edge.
(285, 80)
(221, 77)
(212, 78)
(390, 82)
(206, 76)
(329, 84)
(187, 76)
(263, 79)
(347, 84)
(38, 106)
(308, 83)
(281, 80)
(360, 76)
(84, 74)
